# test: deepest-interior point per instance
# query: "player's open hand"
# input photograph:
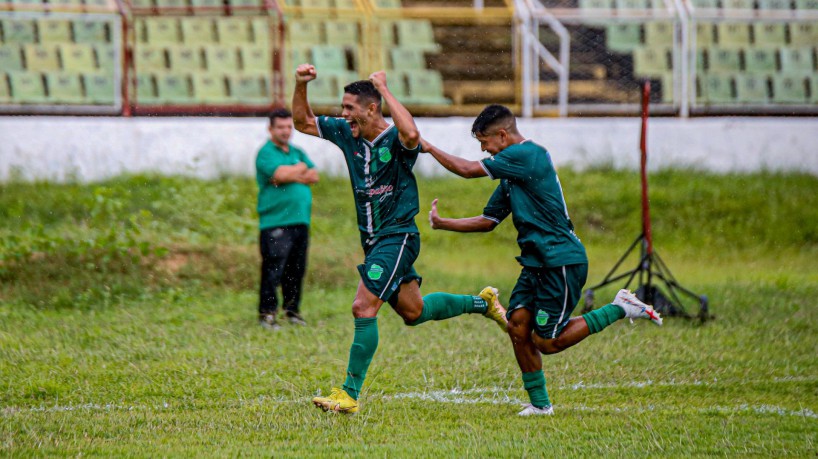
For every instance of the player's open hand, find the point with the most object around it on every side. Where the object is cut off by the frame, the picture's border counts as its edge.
(434, 217)
(305, 73)
(378, 79)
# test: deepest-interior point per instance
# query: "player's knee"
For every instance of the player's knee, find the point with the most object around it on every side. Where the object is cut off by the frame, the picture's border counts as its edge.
(548, 346)
(518, 331)
(362, 309)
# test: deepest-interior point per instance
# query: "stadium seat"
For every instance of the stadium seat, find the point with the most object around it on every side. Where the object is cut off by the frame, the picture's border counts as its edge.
(90, 31)
(207, 6)
(150, 59)
(173, 89)
(343, 78)
(737, 4)
(210, 89)
(416, 33)
(388, 4)
(659, 33)
(701, 59)
(198, 31)
(27, 87)
(18, 31)
(425, 87)
(651, 61)
(142, 4)
(631, 4)
(774, 4)
(41, 58)
(803, 33)
(813, 84)
(233, 31)
(99, 89)
(344, 33)
(387, 30)
(789, 89)
(324, 90)
(345, 5)
(329, 57)
(407, 59)
(221, 59)
(185, 59)
(54, 31)
(723, 60)
(666, 86)
(5, 92)
(716, 89)
(77, 58)
(172, 5)
(162, 31)
(100, 5)
(260, 28)
(398, 85)
(704, 34)
(304, 32)
(64, 88)
(769, 34)
(623, 37)
(733, 34)
(144, 88)
(69, 6)
(249, 89)
(760, 61)
(11, 58)
(256, 59)
(797, 60)
(106, 57)
(596, 6)
(244, 7)
(806, 4)
(296, 56)
(751, 89)
(706, 4)
(317, 4)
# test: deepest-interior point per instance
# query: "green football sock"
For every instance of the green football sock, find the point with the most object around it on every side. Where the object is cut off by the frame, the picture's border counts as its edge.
(441, 306)
(534, 383)
(600, 318)
(364, 345)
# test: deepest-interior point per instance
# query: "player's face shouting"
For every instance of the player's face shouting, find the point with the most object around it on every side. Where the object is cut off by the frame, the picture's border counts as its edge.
(354, 113)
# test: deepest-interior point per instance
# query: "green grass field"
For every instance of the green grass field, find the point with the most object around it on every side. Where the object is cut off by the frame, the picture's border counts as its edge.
(128, 328)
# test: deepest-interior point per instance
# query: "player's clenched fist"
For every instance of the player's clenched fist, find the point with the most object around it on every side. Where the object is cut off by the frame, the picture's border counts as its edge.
(378, 79)
(305, 73)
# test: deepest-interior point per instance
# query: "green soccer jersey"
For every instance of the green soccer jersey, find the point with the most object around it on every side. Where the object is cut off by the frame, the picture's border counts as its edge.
(380, 172)
(530, 190)
(287, 204)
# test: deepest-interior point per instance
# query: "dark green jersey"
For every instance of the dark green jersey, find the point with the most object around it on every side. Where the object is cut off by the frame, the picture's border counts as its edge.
(530, 190)
(380, 172)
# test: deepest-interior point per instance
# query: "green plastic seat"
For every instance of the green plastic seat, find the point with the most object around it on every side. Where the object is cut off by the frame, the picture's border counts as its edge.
(11, 58)
(99, 88)
(733, 34)
(222, 59)
(142, 4)
(769, 34)
(706, 4)
(77, 58)
(596, 6)
(5, 92)
(803, 33)
(416, 33)
(185, 59)
(27, 87)
(100, 5)
(324, 90)
(741, 5)
(797, 60)
(407, 59)
(64, 88)
(328, 58)
(198, 31)
(207, 6)
(715, 88)
(90, 31)
(388, 4)
(751, 89)
(760, 61)
(623, 37)
(425, 87)
(344, 33)
(150, 59)
(304, 32)
(261, 30)
(162, 31)
(173, 89)
(631, 4)
(387, 32)
(144, 89)
(651, 61)
(790, 89)
(68, 6)
(317, 4)
(172, 5)
(245, 7)
(659, 33)
(723, 60)
(41, 58)
(249, 89)
(704, 34)
(398, 85)
(806, 4)
(54, 30)
(106, 58)
(210, 89)
(233, 31)
(256, 59)
(774, 4)
(18, 31)
(813, 83)
(345, 5)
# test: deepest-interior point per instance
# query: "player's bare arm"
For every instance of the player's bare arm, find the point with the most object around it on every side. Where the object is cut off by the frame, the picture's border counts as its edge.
(477, 224)
(303, 117)
(455, 164)
(407, 129)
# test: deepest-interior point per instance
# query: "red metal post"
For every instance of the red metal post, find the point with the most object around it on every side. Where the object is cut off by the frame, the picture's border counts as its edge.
(644, 169)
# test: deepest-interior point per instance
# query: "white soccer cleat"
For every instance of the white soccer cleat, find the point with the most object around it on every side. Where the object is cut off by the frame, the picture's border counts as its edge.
(531, 410)
(635, 309)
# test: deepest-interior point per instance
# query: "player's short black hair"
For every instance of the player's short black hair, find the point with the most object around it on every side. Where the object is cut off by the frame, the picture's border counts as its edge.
(365, 91)
(279, 113)
(493, 116)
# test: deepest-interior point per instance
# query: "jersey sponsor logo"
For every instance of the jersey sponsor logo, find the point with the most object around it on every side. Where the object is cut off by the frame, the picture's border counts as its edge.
(375, 272)
(381, 190)
(384, 154)
(542, 318)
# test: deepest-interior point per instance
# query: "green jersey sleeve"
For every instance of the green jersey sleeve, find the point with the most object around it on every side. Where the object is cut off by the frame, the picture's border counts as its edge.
(499, 205)
(511, 163)
(336, 130)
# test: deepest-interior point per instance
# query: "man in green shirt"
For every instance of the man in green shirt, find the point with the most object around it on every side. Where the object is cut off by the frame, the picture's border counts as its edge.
(380, 157)
(554, 262)
(284, 174)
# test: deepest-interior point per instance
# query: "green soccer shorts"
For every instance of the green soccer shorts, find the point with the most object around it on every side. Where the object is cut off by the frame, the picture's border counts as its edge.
(551, 294)
(388, 264)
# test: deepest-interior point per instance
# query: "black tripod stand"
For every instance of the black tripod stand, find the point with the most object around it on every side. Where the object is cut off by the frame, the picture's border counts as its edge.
(650, 264)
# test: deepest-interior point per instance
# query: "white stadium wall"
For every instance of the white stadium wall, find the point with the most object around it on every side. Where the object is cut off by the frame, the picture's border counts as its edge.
(93, 149)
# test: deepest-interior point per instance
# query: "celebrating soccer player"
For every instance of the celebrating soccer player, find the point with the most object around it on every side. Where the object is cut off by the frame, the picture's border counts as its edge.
(380, 157)
(553, 258)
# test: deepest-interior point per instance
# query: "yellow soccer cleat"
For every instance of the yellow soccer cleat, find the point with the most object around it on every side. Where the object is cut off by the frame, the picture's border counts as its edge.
(495, 311)
(338, 401)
